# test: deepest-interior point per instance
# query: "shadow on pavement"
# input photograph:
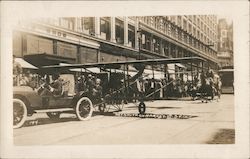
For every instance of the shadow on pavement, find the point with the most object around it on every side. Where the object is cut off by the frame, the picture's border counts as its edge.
(161, 107)
(223, 136)
(43, 121)
(156, 116)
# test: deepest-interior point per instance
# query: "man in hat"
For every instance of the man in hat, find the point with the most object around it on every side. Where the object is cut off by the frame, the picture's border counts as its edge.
(17, 71)
(90, 85)
(55, 88)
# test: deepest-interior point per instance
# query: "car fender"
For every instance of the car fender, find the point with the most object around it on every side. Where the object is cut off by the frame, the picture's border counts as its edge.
(30, 95)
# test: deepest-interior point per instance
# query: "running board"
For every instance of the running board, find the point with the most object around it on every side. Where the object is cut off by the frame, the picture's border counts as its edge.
(54, 110)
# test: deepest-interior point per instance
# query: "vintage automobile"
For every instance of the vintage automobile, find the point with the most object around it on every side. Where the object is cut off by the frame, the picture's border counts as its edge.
(27, 101)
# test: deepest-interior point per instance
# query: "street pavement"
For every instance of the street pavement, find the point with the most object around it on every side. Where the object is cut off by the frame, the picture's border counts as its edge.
(203, 121)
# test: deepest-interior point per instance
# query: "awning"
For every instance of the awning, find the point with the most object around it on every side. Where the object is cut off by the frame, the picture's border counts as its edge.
(180, 65)
(24, 64)
(171, 68)
(226, 70)
(157, 74)
(90, 70)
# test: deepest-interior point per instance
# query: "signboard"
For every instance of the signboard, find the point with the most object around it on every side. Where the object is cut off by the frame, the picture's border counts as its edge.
(66, 50)
(37, 45)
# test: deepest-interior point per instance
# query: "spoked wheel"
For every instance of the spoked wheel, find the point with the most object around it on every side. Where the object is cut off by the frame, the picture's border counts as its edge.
(84, 108)
(19, 113)
(119, 105)
(53, 115)
(142, 108)
(115, 106)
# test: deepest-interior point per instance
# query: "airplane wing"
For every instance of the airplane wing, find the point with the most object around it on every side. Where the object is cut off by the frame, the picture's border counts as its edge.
(120, 63)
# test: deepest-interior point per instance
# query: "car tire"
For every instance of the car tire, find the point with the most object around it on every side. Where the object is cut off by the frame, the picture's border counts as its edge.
(53, 115)
(84, 108)
(19, 113)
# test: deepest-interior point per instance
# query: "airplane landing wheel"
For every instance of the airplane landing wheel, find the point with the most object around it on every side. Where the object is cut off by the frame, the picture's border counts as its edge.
(102, 108)
(53, 115)
(19, 113)
(142, 108)
(84, 108)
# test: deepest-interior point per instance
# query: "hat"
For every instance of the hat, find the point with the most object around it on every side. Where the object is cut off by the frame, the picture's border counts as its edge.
(98, 81)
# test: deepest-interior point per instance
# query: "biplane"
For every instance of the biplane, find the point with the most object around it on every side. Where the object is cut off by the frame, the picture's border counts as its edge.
(27, 101)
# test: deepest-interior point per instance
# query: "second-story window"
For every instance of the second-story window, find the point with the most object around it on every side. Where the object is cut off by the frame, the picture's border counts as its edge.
(156, 45)
(88, 25)
(146, 41)
(131, 36)
(105, 28)
(184, 24)
(67, 23)
(119, 31)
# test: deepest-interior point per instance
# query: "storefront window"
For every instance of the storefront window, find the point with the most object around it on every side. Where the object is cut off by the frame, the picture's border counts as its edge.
(119, 31)
(105, 28)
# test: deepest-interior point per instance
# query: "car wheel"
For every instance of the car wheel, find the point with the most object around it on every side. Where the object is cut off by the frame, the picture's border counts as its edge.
(142, 108)
(19, 113)
(84, 108)
(53, 115)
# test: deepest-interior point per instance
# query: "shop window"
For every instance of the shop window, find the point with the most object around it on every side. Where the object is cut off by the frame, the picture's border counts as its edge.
(119, 31)
(131, 36)
(105, 28)
(88, 24)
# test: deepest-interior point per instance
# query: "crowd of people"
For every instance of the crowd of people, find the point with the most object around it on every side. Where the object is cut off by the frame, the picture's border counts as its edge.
(178, 88)
(93, 86)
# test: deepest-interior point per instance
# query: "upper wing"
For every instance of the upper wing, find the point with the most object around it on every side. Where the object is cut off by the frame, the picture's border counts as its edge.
(120, 63)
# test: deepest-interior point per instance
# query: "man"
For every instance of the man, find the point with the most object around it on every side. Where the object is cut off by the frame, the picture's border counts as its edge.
(90, 84)
(81, 84)
(55, 88)
(140, 87)
(17, 71)
(97, 91)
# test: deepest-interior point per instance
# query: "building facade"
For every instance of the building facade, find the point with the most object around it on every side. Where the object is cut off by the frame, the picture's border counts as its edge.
(105, 39)
(225, 43)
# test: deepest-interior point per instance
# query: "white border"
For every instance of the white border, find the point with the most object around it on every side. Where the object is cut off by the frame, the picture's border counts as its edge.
(11, 12)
